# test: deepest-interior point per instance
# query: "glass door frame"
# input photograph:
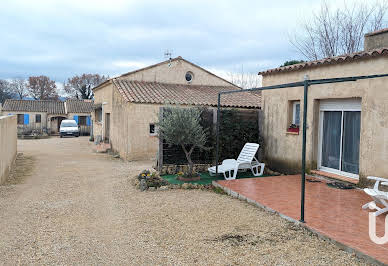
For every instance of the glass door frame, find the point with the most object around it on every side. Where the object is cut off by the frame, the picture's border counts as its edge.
(320, 139)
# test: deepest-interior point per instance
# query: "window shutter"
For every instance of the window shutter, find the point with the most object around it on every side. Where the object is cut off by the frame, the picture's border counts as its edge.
(26, 119)
(75, 118)
(88, 121)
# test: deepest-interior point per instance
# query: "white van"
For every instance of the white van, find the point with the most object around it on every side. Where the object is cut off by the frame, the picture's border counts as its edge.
(69, 128)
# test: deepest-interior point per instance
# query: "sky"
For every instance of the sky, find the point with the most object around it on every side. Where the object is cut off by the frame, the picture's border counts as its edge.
(63, 38)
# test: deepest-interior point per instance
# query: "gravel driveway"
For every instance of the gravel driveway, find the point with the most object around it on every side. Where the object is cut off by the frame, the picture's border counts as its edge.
(65, 204)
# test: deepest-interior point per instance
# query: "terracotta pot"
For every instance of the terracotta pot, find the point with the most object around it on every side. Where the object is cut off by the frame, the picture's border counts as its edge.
(295, 130)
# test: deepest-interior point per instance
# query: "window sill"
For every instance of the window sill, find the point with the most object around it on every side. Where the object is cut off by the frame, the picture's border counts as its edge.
(292, 133)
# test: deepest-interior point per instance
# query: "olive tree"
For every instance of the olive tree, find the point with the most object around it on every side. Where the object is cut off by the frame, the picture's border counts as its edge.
(181, 126)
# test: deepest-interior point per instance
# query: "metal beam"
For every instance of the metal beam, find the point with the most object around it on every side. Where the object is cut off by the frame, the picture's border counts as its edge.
(306, 83)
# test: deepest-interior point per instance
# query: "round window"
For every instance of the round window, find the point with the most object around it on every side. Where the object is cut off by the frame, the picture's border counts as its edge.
(189, 76)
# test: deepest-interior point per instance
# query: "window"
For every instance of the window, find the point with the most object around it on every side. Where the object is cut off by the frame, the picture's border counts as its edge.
(82, 120)
(296, 113)
(189, 76)
(20, 119)
(98, 113)
(38, 118)
(153, 130)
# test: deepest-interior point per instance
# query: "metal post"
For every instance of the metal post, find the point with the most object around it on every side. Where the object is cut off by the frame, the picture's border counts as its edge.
(218, 131)
(303, 181)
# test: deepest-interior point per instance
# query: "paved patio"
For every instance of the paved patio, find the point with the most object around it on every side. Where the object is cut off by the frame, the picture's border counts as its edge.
(332, 212)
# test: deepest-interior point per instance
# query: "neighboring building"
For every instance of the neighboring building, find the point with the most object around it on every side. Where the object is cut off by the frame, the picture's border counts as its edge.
(127, 107)
(45, 116)
(347, 132)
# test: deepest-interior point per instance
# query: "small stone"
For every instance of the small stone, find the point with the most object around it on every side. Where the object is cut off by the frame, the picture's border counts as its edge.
(143, 185)
(163, 188)
(186, 186)
(152, 188)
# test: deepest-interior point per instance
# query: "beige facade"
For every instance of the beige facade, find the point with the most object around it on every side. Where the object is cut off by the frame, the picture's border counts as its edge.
(8, 140)
(283, 149)
(175, 72)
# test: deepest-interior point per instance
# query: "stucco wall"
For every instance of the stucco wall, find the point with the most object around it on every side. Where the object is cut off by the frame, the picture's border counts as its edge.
(102, 95)
(129, 133)
(8, 140)
(283, 150)
(176, 74)
(375, 41)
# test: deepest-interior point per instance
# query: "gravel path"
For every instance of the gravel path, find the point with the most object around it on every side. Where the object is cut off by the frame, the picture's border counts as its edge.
(67, 205)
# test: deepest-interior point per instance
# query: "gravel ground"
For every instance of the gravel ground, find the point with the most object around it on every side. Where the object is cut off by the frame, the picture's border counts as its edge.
(68, 205)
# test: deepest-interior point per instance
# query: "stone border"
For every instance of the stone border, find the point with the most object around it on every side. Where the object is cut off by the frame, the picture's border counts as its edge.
(342, 246)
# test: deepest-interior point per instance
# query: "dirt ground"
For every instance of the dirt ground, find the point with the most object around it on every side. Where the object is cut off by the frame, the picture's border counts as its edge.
(65, 204)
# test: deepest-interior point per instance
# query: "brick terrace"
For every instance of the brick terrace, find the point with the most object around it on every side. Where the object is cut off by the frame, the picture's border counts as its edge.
(332, 212)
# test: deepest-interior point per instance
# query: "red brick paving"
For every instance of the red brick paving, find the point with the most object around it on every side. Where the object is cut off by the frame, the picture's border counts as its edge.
(332, 212)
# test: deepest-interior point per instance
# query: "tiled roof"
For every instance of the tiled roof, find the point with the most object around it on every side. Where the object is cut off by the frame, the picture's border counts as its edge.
(51, 107)
(48, 106)
(166, 93)
(329, 60)
(79, 106)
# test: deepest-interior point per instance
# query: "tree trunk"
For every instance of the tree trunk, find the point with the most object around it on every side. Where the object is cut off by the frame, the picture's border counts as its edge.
(188, 157)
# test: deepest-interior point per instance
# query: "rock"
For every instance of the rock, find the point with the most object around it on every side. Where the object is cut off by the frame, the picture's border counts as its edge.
(143, 185)
(163, 188)
(186, 186)
(152, 188)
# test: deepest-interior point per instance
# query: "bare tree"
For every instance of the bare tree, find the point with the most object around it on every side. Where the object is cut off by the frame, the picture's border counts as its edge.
(5, 92)
(332, 32)
(245, 80)
(42, 88)
(81, 87)
(19, 87)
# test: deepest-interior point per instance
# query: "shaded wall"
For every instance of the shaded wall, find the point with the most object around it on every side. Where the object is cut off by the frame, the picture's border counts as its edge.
(8, 140)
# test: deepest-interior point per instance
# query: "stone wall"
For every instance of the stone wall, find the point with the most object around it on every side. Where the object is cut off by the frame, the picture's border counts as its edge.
(8, 140)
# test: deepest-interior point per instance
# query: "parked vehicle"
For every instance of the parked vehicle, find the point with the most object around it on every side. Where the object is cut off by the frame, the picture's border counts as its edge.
(69, 128)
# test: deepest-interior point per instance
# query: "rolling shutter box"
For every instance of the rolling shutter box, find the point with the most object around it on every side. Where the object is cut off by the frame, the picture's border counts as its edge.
(350, 104)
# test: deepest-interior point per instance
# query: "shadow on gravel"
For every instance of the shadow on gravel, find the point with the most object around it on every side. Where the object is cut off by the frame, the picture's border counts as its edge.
(21, 169)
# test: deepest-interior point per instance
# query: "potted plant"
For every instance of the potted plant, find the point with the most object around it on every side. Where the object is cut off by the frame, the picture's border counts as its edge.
(293, 128)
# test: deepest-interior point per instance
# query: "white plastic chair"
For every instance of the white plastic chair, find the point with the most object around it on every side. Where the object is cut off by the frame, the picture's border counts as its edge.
(378, 196)
(246, 160)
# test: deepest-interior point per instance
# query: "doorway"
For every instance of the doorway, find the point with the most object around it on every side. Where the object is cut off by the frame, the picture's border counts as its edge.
(107, 127)
(339, 137)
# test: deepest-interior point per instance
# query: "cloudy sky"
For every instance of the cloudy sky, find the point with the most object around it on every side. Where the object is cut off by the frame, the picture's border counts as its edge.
(62, 38)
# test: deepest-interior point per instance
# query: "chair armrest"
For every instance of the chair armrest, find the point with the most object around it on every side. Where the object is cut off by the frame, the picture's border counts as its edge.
(377, 178)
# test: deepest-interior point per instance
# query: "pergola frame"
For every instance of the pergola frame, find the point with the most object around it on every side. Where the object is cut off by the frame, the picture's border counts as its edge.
(306, 83)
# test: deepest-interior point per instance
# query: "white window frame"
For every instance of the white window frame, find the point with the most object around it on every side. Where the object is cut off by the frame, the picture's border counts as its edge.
(336, 105)
(294, 104)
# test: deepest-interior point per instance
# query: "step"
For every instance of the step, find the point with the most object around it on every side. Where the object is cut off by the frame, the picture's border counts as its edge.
(335, 176)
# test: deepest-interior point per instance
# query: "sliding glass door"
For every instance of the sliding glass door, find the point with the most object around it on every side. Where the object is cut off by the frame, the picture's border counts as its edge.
(340, 142)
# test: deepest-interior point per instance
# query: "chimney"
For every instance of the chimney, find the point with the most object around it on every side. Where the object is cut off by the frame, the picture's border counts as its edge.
(376, 39)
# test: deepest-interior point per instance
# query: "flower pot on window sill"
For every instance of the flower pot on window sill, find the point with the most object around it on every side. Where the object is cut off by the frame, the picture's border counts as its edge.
(293, 130)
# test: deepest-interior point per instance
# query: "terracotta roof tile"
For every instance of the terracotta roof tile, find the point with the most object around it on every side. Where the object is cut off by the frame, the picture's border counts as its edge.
(79, 106)
(329, 60)
(166, 93)
(49, 106)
